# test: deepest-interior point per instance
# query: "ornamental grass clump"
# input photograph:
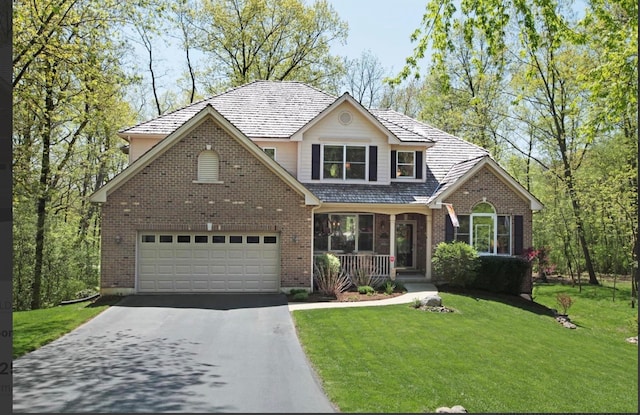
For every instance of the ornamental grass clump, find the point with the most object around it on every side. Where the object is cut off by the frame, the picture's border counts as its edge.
(329, 277)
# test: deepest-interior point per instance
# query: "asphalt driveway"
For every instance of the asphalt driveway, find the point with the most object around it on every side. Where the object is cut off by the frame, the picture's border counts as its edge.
(174, 353)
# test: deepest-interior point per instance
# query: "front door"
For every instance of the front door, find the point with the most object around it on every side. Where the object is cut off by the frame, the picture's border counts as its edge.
(405, 244)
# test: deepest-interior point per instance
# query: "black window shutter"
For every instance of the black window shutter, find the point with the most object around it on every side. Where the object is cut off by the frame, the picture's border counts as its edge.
(419, 164)
(373, 163)
(315, 161)
(393, 164)
(448, 229)
(518, 235)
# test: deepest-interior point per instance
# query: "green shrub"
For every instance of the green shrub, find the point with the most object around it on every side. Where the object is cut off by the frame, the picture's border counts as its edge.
(295, 291)
(501, 274)
(455, 263)
(384, 284)
(389, 287)
(301, 296)
(399, 286)
(366, 289)
(564, 301)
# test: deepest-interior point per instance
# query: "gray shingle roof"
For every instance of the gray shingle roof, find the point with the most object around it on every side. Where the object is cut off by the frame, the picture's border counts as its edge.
(278, 109)
(395, 193)
(258, 109)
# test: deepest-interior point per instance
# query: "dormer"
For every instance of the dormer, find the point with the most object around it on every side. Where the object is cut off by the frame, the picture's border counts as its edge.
(347, 144)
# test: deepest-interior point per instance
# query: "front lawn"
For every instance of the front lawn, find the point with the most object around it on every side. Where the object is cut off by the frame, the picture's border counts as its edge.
(487, 356)
(35, 328)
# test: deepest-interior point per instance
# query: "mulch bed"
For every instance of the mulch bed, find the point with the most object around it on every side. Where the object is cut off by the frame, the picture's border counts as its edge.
(347, 296)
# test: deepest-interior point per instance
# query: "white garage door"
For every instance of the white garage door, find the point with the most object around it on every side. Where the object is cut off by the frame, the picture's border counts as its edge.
(201, 262)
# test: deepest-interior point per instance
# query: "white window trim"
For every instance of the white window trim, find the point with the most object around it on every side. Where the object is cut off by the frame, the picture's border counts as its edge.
(494, 217)
(344, 164)
(275, 152)
(398, 164)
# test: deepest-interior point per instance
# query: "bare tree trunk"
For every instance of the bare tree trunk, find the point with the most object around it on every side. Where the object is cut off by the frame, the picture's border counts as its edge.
(41, 203)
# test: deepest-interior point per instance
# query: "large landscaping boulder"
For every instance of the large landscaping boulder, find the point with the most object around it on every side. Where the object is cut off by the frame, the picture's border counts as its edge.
(431, 301)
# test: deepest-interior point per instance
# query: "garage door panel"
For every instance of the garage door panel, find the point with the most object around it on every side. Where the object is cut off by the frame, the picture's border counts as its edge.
(201, 254)
(162, 269)
(183, 285)
(254, 254)
(217, 270)
(183, 254)
(148, 254)
(235, 270)
(200, 270)
(235, 254)
(253, 269)
(165, 285)
(218, 253)
(184, 269)
(235, 285)
(219, 263)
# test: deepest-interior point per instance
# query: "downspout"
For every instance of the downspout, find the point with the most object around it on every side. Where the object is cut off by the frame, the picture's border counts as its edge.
(428, 245)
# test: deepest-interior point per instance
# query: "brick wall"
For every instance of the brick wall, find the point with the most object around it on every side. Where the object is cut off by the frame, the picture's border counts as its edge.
(484, 184)
(163, 197)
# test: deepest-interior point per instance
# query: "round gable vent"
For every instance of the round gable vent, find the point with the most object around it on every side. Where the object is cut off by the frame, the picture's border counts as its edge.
(345, 117)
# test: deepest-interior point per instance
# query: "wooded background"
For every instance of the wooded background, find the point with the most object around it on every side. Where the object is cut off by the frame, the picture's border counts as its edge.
(548, 86)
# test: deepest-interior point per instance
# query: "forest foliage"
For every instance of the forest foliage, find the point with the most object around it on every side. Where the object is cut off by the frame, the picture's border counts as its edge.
(550, 89)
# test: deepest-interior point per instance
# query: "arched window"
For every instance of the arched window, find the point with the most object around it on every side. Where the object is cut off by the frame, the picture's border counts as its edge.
(483, 228)
(208, 166)
(488, 232)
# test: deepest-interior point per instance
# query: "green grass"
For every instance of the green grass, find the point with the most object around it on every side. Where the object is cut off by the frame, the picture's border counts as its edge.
(35, 328)
(489, 356)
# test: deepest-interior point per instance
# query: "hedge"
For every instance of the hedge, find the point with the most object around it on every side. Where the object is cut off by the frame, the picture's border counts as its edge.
(501, 274)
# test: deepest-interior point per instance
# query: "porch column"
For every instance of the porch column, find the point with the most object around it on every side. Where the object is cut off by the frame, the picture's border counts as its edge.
(392, 246)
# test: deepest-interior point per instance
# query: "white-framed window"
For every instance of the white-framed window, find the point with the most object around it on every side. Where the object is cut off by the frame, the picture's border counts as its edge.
(343, 232)
(405, 164)
(343, 162)
(486, 231)
(270, 151)
(208, 167)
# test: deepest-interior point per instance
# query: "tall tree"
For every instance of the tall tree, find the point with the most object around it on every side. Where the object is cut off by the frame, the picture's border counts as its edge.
(560, 81)
(363, 78)
(66, 77)
(247, 40)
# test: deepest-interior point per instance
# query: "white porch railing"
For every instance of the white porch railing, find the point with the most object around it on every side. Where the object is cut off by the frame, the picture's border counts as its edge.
(378, 264)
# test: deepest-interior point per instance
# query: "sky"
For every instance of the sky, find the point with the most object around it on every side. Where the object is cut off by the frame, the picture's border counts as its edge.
(382, 26)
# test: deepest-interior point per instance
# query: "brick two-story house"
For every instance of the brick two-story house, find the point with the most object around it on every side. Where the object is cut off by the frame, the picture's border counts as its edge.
(237, 193)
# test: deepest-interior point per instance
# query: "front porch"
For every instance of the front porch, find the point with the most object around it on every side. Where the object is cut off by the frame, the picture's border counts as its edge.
(384, 245)
(379, 267)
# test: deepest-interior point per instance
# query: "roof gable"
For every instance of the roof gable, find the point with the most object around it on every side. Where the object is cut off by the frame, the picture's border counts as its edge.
(207, 112)
(461, 172)
(395, 134)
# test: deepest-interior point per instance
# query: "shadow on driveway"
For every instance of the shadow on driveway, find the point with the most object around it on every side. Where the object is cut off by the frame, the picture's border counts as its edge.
(174, 353)
(205, 301)
(114, 372)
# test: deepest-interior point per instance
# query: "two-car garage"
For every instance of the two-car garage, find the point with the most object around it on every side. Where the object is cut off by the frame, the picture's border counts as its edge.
(189, 262)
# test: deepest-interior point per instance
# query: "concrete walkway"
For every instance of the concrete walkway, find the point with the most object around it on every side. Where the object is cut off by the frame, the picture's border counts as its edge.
(414, 290)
